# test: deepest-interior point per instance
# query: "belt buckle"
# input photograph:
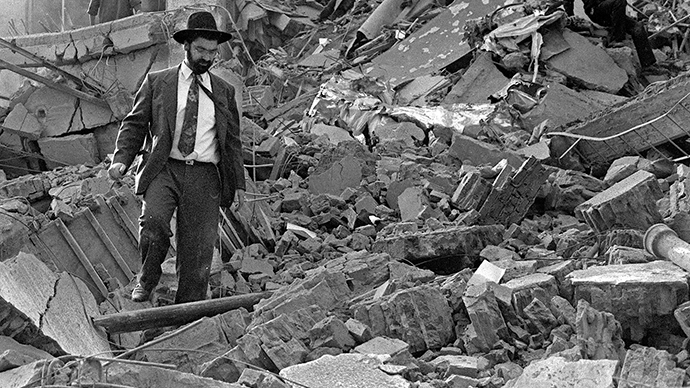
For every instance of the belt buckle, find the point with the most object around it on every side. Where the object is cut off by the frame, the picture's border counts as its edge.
(189, 162)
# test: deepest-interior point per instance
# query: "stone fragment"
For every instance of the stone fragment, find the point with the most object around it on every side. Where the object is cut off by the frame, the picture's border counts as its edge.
(629, 203)
(30, 375)
(455, 381)
(256, 266)
(561, 106)
(412, 203)
(557, 372)
(419, 316)
(471, 192)
(560, 271)
(495, 253)
(570, 63)
(459, 365)
(560, 307)
(383, 346)
(642, 297)
(488, 325)
(334, 134)
(359, 331)
(526, 288)
(649, 367)
(516, 269)
(331, 332)
(345, 371)
(598, 334)
(540, 317)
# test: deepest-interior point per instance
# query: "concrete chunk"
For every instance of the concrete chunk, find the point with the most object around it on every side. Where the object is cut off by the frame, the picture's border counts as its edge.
(69, 150)
(478, 82)
(419, 316)
(598, 334)
(629, 203)
(343, 174)
(640, 296)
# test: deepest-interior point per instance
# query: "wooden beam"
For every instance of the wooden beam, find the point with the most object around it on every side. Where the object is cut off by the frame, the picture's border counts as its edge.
(53, 85)
(176, 314)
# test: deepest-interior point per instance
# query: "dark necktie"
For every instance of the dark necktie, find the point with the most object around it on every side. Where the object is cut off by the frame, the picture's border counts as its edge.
(188, 134)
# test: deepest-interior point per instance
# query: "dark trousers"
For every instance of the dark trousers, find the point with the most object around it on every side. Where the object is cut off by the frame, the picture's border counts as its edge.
(194, 190)
(611, 13)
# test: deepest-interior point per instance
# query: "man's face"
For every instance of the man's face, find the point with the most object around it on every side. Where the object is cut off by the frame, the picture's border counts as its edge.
(200, 54)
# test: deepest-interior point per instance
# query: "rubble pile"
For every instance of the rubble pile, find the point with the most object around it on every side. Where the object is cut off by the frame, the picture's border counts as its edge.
(428, 205)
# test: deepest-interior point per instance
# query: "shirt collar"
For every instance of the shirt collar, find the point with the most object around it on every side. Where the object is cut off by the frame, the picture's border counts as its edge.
(186, 73)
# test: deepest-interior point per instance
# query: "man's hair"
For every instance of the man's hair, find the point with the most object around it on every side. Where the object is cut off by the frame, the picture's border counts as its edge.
(201, 34)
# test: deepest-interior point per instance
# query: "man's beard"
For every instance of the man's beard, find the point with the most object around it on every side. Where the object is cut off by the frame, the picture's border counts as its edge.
(198, 66)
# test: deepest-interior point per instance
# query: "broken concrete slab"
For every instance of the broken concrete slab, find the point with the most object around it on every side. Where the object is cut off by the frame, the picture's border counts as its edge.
(412, 202)
(640, 296)
(406, 132)
(488, 325)
(47, 310)
(149, 376)
(599, 334)
(350, 370)
(481, 80)
(383, 346)
(558, 372)
(629, 203)
(589, 73)
(436, 45)
(425, 324)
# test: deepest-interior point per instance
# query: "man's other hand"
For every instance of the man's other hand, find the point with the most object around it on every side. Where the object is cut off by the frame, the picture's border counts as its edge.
(117, 171)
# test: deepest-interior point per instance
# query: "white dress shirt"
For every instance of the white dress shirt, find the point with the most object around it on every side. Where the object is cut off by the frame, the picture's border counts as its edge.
(205, 145)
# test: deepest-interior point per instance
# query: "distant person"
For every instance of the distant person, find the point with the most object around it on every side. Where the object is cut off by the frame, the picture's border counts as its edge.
(611, 14)
(109, 10)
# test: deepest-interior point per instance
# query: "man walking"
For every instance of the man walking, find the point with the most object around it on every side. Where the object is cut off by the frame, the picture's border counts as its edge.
(186, 126)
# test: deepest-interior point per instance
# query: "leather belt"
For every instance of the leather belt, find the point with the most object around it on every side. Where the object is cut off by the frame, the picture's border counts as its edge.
(190, 162)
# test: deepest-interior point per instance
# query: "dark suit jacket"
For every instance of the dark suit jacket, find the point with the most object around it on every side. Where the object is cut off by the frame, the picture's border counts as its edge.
(150, 128)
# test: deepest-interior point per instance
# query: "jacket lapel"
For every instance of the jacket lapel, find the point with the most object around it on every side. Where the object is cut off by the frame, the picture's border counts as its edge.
(170, 89)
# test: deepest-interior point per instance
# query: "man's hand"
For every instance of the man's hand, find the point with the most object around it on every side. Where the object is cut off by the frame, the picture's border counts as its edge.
(239, 199)
(117, 171)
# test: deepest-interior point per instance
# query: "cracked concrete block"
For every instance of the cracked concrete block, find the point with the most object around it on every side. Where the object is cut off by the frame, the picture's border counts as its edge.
(599, 334)
(69, 150)
(13, 354)
(47, 310)
(412, 203)
(331, 332)
(55, 110)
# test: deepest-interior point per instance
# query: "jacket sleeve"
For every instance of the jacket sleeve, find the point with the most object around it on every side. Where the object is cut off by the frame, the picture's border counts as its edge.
(135, 126)
(234, 141)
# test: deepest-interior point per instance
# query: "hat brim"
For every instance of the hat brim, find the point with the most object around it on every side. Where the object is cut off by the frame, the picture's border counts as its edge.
(184, 35)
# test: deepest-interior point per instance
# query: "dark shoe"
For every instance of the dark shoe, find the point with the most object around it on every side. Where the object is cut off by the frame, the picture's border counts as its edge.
(140, 294)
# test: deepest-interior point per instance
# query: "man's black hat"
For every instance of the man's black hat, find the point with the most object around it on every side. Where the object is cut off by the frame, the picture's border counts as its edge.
(201, 23)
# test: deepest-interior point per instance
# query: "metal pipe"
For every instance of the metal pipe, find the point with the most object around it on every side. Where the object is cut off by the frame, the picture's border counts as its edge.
(661, 241)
